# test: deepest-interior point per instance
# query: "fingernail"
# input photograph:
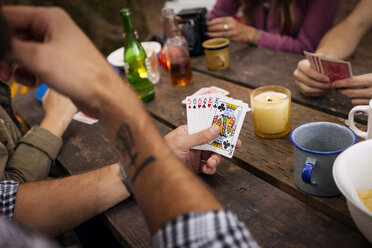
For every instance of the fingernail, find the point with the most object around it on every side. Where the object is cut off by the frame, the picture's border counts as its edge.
(208, 169)
(215, 129)
(213, 162)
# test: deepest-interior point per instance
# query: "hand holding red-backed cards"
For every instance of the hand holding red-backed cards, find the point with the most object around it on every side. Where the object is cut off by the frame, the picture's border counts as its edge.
(315, 75)
(334, 69)
(309, 81)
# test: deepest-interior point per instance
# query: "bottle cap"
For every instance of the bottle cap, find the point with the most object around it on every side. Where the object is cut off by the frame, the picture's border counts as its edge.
(125, 11)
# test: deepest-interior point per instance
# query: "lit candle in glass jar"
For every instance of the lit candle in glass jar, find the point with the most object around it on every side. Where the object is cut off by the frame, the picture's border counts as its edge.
(271, 108)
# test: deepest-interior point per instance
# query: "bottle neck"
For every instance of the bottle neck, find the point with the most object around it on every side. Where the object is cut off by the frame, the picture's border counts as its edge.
(129, 32)
(171, 26)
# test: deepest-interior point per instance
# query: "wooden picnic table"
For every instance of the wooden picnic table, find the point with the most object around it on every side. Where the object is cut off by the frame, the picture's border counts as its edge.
(257, 183)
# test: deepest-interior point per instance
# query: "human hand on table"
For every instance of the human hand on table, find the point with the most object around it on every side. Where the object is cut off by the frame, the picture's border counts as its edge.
(59, 111)
(309, 81)
(181, 143)
(51, 46)
(357, 88)
(232, 29)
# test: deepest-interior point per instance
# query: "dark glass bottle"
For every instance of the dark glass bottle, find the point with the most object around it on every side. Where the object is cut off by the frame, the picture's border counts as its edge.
(135, 60)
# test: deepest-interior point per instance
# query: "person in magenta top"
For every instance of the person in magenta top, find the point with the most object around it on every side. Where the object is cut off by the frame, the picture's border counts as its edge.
(284, 25)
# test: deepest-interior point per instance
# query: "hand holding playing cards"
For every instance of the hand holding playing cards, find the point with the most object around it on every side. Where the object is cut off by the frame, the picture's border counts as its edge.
(205, 111)
(309, 81)
(181, 143)
(59, 111)
(357, 88)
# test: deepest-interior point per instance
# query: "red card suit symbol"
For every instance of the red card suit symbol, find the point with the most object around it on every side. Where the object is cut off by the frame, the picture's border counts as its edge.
(189, 106)
(209, 105)
(199, 106)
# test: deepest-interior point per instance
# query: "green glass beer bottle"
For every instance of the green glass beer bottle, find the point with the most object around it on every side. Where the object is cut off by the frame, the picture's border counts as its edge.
(135, 60)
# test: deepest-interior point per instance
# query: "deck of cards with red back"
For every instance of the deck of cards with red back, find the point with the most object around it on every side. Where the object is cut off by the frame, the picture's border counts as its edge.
(204, 111)
(335, 69)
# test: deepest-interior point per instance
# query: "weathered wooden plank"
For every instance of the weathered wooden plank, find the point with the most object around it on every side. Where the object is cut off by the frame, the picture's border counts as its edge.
(254, 67)
(275, 218)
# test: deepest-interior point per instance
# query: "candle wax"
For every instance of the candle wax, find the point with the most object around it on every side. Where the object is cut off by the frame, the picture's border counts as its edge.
(271, 112)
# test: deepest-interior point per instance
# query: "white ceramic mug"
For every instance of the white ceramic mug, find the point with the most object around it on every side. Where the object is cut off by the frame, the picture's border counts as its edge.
(362, 108)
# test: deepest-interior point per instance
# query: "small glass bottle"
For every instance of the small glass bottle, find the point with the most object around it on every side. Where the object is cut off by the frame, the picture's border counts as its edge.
(135, 60)
(176, 51)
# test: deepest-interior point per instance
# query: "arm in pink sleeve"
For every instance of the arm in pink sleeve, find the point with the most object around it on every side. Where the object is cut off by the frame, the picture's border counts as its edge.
(318, 20)
(224, 8)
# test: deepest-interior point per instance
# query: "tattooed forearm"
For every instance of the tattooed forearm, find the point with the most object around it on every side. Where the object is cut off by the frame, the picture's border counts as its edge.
(149, 160)
(124, 142)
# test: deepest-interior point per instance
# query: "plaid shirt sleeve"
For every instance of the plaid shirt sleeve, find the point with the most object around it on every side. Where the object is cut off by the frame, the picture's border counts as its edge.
(206, 229)
(8, 191)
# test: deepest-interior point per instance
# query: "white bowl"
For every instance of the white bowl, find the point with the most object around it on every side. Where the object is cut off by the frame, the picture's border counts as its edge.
(116, 58)
(352, 170)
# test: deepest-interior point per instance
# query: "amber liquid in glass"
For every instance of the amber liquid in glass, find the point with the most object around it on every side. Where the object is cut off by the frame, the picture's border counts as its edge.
(181, 73)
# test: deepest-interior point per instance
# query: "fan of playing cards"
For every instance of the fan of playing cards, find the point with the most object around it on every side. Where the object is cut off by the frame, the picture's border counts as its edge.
(204, 111)
(335, 69)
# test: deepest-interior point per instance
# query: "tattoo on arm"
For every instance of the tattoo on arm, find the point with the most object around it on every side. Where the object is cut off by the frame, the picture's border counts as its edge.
(125, 144)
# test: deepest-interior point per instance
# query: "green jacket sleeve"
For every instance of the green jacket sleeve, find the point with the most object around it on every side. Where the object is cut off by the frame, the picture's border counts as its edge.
(33, 156)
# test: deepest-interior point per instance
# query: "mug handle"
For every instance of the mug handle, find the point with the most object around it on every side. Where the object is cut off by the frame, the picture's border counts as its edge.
(307, 169)
(362, 108)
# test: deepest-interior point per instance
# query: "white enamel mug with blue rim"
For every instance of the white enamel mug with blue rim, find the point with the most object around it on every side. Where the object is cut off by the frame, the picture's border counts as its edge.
(316, 146)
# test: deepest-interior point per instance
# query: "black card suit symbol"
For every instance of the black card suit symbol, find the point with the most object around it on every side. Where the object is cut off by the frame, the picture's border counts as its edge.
(215, 106)
(226, 144)
(194, 107)
(222, 107)
(204, 106)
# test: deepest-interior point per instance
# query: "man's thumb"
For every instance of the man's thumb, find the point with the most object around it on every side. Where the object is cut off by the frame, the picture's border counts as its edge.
(204, 136)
